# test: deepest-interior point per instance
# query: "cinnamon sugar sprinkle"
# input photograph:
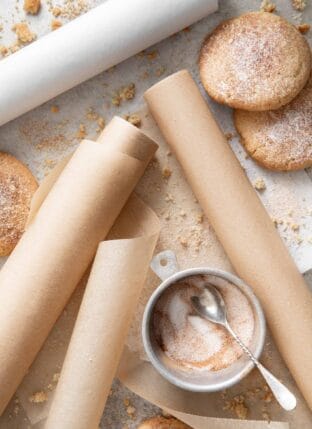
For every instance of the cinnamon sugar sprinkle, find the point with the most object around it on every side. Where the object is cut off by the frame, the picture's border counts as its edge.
(192, 342)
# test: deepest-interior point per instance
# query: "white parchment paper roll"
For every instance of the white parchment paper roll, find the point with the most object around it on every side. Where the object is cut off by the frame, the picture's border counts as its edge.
(101, 38)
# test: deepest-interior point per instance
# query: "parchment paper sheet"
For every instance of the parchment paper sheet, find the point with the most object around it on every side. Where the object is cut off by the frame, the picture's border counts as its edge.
(94, 42)
(111, 295)
(55, 251)
(238, 217)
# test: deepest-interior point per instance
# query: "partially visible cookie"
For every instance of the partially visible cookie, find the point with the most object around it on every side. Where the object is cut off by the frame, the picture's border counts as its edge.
(17, 186)
(160, 422)
(279, 139)
(257, 61)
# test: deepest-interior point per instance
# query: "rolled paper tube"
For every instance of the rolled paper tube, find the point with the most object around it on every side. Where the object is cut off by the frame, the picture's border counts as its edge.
(59, 244)
(88, 45)
(242, 224)
(110, 299)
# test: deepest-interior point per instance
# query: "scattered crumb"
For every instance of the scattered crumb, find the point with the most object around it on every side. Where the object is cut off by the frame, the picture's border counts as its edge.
(229, 136)
(238, 406)
(38, 397)
(101, 122)
(81, 134)
(268, 396)
(91, 115)
(131, 410)
(267, 6)
(116, 100)
(3, 50)
(303, 28)
(126, 402)
(71, 9)
(183, 241)
(55, 109)
(15, 47)
(55, 24)
(134, 119)
(295, 227)
(166, 172)
(23, 32)
(128, 92)
(259, 184)
(152, 55)
(299, 4)
(32, 6)
(200, 218)
(56, 11)
(124, 93)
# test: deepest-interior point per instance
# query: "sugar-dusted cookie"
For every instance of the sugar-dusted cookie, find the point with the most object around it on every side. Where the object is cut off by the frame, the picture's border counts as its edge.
(257, 61)
(160, 422)
(280, 139)
(17, 186)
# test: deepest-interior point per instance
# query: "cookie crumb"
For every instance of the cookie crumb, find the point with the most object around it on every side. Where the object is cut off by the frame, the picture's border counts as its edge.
(295, 227)
(4, 50)
(200, 218)
(152, 55)
(101, 122)
(128, 92)
(91, 115)
(131, 410)
(268, 397)
(55, 24)
(32, 6)
(55, 109)
(23, 32)
(56, 11)
(166, 172)
(238, 406)
(299, 4)
(183, 242)
(267, 6)
(38, 397)
(116, 100)
(81, 134)
(229, 136)
(134, 119)
(303, 28)
(259, 184)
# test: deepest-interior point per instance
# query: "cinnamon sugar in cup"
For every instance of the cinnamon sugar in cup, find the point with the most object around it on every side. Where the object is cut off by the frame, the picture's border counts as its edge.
(190, 352)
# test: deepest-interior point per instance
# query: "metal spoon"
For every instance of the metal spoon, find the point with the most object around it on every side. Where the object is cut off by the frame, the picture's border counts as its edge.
(211, 306)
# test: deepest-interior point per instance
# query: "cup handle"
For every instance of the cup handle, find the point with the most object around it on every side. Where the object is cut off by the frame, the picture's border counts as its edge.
(165, 264)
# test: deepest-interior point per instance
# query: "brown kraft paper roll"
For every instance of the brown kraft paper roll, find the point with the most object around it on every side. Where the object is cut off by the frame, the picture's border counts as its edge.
(243, 226)
(59, 244)
(110, 299)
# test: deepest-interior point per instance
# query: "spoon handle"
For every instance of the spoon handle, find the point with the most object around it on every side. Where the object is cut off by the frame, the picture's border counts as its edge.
(283, 396)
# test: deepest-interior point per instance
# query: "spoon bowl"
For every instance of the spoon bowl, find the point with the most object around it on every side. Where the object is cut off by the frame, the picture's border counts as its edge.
(211, 306)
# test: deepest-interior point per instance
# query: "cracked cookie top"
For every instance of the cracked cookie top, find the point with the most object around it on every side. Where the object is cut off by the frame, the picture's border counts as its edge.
(280, 139)
(257, 61)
